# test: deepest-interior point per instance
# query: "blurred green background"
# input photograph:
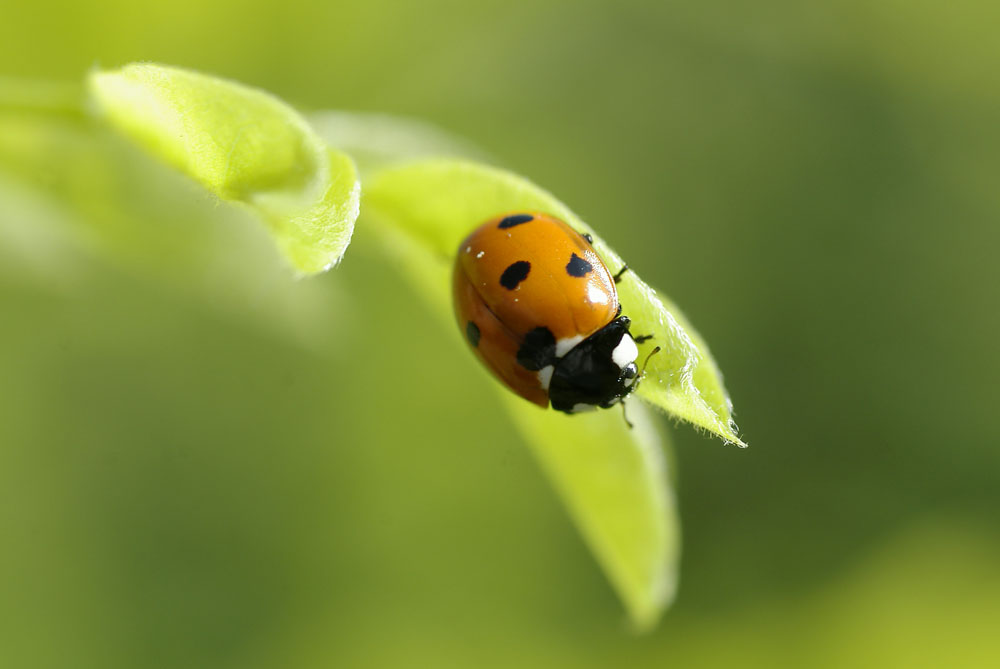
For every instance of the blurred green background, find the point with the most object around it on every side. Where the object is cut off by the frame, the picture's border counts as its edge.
(205, 462)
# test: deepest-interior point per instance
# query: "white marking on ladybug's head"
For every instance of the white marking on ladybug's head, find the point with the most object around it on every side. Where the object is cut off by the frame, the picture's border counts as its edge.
(583, 408)
(545, 376)
(625, 353)
(564, 345)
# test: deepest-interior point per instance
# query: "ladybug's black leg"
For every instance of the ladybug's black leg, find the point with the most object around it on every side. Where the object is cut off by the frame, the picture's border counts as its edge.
(625, 416)
(642, 338)
(618, 277)
(588, 237)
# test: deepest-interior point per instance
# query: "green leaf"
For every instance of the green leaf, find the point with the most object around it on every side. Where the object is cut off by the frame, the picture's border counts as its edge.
(440, 201)
(613, 480)
(243, 145)
(79, 199)
(378, 140)
(615, 483)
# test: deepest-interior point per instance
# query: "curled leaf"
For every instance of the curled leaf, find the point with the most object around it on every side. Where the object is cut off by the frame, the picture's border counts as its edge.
(243, 145)
(73, 195)
(440, 201)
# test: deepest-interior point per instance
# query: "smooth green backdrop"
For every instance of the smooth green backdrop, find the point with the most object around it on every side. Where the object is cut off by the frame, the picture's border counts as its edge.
(205, 462)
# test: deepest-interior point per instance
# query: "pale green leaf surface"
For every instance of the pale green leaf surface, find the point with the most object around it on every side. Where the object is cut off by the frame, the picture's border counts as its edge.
(377, 140)
(615, 484)
(75, 198)
(243, 145)
(613, 480)
(441, 201)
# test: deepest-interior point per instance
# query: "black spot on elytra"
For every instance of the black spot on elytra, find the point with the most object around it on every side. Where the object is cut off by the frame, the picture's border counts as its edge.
(472, 332)
(538, 349)
(515, 274)
(515, 219)
(577, 266)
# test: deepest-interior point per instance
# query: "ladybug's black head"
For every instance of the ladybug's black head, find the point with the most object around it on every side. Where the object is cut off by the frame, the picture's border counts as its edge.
(597, 372)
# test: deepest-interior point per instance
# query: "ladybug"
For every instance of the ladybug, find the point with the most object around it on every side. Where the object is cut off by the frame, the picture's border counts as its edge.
(540, 309)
